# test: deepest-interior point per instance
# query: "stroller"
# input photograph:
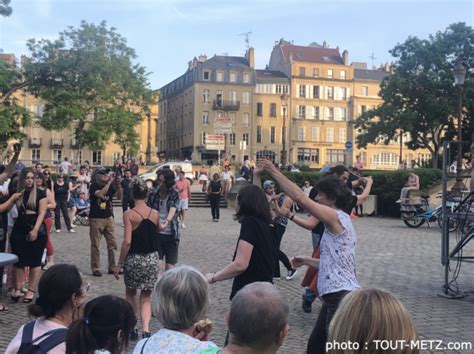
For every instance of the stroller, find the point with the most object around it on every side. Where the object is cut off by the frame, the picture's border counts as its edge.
(82, 217)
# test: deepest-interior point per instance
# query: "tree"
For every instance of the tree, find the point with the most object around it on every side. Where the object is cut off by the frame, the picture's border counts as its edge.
(83, 76)
(420, 97)
(5, 9)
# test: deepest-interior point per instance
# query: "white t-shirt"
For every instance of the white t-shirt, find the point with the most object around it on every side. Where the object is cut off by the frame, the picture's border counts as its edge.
(337, 263)
(64, 167)
(226, 175)
(307, 190)
(84, 180)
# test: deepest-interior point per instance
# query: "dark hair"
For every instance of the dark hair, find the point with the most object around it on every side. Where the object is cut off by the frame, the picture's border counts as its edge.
(139, 188)
(313, 193)
(103, 317)
(40, 176)
(338, 170)
(2, 168)
(253, 202)
(126, 170)
(55, 289)
(38, 164)
(335, 189)
(168, 176)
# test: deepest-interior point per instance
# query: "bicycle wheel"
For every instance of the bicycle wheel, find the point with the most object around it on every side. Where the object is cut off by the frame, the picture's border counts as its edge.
(452, 223)
(411, 219)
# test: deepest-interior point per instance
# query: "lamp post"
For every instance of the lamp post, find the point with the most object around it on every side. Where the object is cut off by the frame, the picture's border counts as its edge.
(148, 138)
(459, 76)
(284, 105)
(400, 159)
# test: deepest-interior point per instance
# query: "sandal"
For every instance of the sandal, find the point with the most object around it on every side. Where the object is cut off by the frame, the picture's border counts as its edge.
(3, 308)
(16, 295)
(27, 300)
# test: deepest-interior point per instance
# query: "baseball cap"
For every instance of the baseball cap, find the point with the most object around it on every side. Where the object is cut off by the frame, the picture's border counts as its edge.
(103, 171)
(268, 184)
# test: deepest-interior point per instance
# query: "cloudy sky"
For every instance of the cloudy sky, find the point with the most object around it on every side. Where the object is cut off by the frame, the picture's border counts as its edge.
(166, 34)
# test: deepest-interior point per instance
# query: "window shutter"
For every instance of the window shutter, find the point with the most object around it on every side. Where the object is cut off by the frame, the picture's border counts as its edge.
(309, 112)
(336, 113)
(322, 92)
(308, 91)
(348, 93)
(337, 96)
(297, 111)
(298, 90)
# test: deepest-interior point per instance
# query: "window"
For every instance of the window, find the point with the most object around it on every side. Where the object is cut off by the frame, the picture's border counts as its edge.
(279, 89)
(365, 90)
(233, 77)
(272, 135)
(245, 119)
(205, 96)
(316, 112)
(246, 98)
(308, 155)
(343, 113)
(302, 91)
(343, 93)
(233, 117)
(330, 73)
(273, 110)
(316, 91)
(259, 134)
(301, 134)
(316, 72)
(205, 118)
(233, 96)
(334, 156)
(220, 76)
(259, 109)
(232, 139)
(385, 158)
(203, 138)
(342, 135)
(363, 109)
(246, 78)
(97, 158)
(342, 74)
(35, 155)
(302, 111)
(76, 156)
(245, 137)
(330, 92)
(330, 111)
(302, 71)
(330, 135)
(315, 136)
(206, 75)
(57, 156)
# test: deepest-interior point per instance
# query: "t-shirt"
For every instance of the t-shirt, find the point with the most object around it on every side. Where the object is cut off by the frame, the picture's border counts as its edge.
(262, 236)
(101, 208)
(65, 166)
(182, 187)
(215, 187)
(337, 266)
(41, 326)
(127, 191)
(84, 181)
(81, 203)
(61, 192)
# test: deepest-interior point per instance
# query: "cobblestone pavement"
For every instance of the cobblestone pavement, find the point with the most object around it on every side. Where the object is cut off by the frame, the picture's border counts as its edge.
(389, 255)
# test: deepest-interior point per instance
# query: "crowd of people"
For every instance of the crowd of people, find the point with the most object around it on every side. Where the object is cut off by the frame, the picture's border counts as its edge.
(153, 219)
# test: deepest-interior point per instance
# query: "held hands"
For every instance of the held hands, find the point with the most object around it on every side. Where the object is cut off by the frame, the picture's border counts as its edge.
(163, 225)
(265, 165)
(297, 261)
(210, 278)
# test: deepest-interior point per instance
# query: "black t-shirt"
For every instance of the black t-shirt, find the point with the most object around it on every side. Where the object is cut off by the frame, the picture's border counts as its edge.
(101, 208)
(61, 192)
(127, 191)
(215, 186)
(262, 236)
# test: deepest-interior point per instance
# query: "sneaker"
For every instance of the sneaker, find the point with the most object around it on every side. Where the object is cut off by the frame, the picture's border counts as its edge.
(306, 305)
(73, 225)
(58, 230)
(183, 226)
(398, 201)
(96, 273)
(291, 274)
(71, 231)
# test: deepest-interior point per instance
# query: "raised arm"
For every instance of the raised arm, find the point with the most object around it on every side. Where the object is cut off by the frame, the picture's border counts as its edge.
(365, 194)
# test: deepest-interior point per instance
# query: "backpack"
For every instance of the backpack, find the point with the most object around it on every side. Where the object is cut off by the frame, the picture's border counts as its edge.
(31, 346)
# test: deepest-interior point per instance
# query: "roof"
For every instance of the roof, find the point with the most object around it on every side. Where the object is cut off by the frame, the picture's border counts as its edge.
(8, 58)
(311, 54)
(374, 75)
(271, 76)
(226, 62)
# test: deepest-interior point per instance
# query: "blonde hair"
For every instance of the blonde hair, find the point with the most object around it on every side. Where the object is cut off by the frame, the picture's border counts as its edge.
(31, 202)
(366, 316)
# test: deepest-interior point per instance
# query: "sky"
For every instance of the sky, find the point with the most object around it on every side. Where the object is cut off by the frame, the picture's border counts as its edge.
(166, 34)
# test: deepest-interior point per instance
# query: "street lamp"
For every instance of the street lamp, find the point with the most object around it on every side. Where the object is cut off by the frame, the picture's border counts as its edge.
(459, 76)
(400, 159)
(284, 105)
(148, 144)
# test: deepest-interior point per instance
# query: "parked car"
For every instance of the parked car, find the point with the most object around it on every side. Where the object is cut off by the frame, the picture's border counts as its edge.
(150, 175)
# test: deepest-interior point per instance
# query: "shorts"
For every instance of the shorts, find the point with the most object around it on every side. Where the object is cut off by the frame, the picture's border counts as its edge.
(183, 204)
(168, 248)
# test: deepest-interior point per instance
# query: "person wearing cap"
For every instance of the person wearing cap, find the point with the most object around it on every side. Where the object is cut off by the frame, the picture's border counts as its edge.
(276, 202)
(101, 219)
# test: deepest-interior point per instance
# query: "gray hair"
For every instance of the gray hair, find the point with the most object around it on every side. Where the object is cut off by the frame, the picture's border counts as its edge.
(257, 315)
(182, 298)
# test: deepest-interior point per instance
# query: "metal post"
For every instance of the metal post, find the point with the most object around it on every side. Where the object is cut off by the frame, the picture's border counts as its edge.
(401, 148)
(148, 146)
(459, 186)
(283, 138)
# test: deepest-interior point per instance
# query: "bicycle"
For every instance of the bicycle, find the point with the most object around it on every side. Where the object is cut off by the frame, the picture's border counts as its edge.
(416, 214)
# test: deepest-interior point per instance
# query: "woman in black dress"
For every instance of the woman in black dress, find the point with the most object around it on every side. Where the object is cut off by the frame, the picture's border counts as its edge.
(28, 238)
(214, 191)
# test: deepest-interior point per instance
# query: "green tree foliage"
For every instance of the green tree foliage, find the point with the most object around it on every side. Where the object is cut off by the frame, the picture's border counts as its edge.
(87, 77)
(420, 97)
(5, 8)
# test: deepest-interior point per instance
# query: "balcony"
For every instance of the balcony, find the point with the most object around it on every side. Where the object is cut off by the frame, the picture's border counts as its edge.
(57, 143)
(34, 143)
(74, 144)
(220, 105)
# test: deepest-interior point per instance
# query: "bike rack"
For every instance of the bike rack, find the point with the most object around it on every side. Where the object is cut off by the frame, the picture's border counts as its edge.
(455, 254)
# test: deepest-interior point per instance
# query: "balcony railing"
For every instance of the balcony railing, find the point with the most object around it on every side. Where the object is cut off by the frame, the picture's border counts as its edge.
(35, 143)
(226, 105)
(57, 143)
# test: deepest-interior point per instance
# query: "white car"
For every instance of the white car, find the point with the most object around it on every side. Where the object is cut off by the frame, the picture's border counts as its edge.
(150, 175)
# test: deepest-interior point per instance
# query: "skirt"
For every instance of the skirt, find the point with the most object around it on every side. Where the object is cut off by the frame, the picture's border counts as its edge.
(140, 271)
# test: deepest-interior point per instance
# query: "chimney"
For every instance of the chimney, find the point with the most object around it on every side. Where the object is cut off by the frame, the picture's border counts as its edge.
(325, 44)
(345, 57)
(250, 56)
(195, 61)
(202, 58)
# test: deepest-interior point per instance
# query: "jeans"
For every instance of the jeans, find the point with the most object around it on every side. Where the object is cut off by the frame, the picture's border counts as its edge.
(61, 207)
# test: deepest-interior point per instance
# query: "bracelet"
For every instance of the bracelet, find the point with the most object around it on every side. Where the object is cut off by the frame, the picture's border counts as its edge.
(292, 217)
